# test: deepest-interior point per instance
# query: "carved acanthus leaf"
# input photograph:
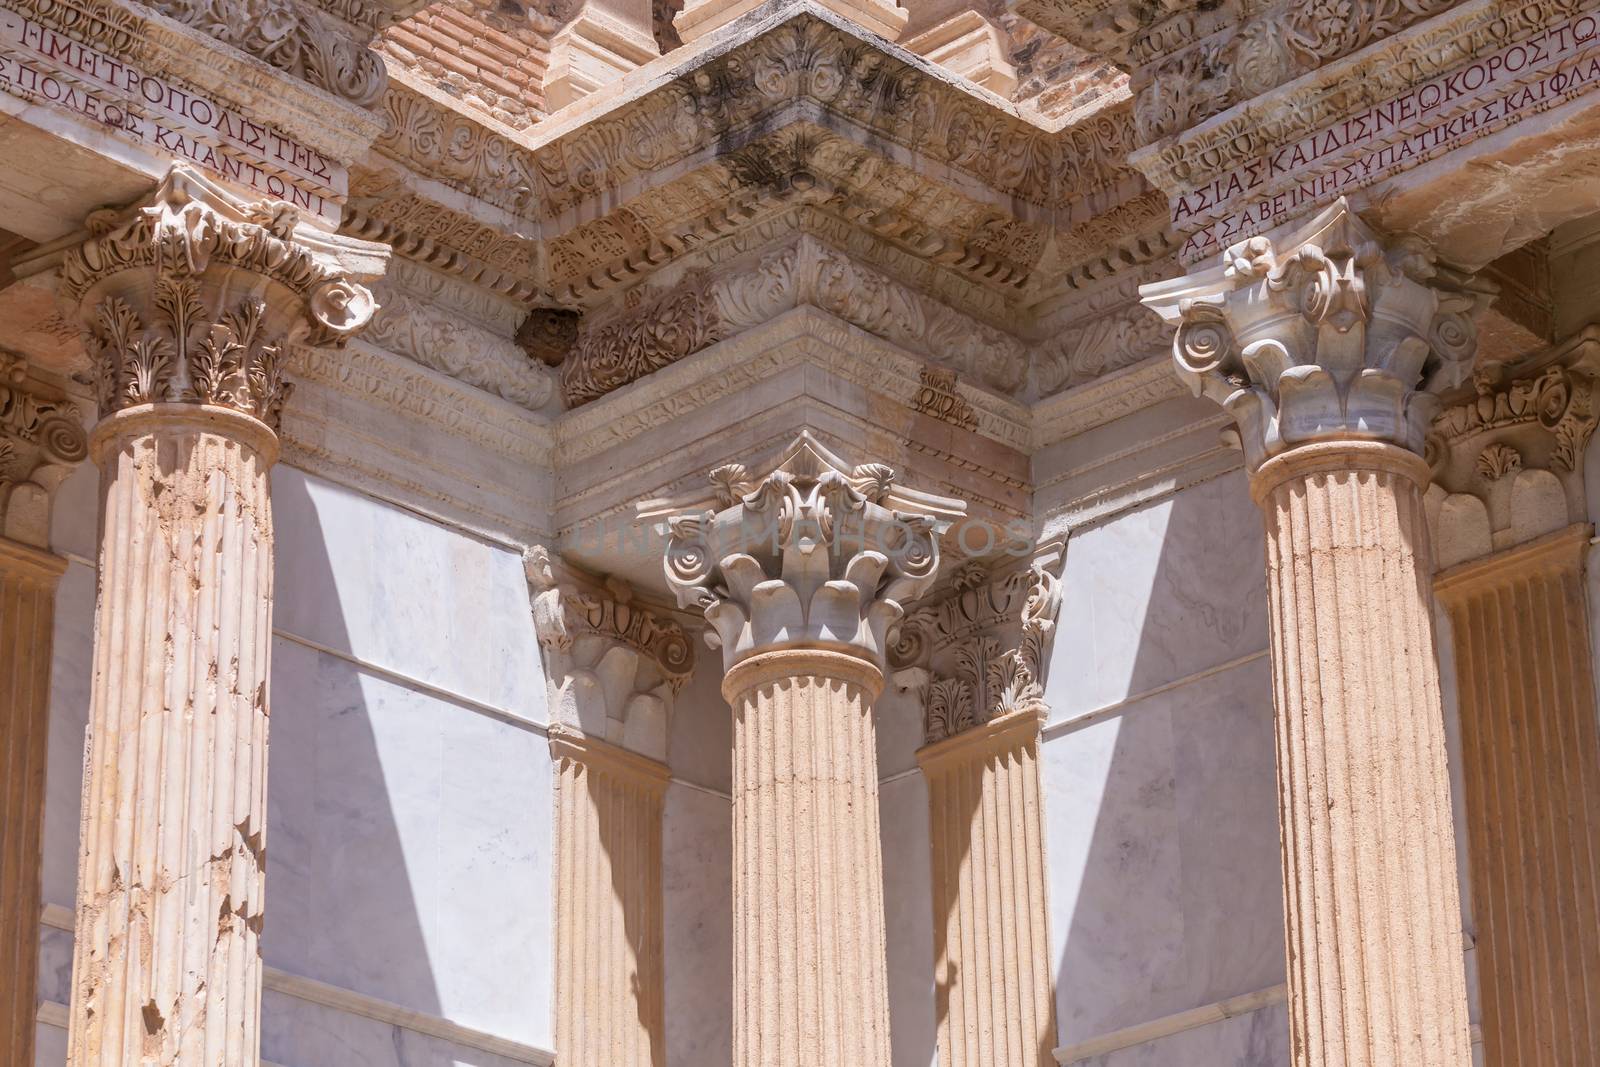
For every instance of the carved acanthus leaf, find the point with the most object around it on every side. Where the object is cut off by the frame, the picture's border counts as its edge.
(41, 439)
(158, 291)
(458, 348)
(958, 649)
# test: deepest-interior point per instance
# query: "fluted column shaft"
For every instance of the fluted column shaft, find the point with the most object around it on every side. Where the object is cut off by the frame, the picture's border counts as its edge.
(609, 950)
(1531, 753)
(992, 964)
(809, 973)
(27, 617)
(1373, 913)
(168, 967)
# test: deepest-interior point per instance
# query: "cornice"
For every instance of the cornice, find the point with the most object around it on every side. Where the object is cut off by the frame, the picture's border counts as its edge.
(801, 336)
(1102, 400)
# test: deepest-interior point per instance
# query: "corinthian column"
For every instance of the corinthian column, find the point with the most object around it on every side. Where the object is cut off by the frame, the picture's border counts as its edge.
(1322, 346)
(802, 575)
(190, 301)
(41, 437)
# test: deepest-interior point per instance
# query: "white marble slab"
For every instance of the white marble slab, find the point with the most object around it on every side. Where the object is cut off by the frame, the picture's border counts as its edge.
(1257, 1039)
(908, 918)
(404, 593)
(697, 836)
(409, 845)
(71, 672)
(1157, 594)
(1163, 855)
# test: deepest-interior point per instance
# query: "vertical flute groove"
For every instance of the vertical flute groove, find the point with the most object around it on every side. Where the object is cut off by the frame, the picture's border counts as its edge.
(167, 966)
(808, 907)
(609, 953)
(1531, 754)
(991, 939)
(1372, 917)
(27, 616)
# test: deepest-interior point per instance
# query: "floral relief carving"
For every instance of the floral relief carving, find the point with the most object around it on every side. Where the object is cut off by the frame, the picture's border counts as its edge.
(156, 287)
(959, 653)
(298, 38)
(41, 439)
(1351, 336)
(702, 311)
(449, 344)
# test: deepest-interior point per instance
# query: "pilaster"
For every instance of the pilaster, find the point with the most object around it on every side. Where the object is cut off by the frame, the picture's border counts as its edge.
(802, 574)
(41, 438)
(614, 668)
(189, 301)
(1509, 505)
(978, 658)
(1325, 346)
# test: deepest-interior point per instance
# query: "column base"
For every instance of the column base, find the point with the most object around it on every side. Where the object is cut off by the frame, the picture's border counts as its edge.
(591, 52)
(971, 46)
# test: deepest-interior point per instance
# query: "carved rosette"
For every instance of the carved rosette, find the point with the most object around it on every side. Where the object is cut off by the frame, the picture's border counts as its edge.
(1330, 334)
(809, 556)
(980, 653)
(614, 666)
(41, 439)
(195, 297)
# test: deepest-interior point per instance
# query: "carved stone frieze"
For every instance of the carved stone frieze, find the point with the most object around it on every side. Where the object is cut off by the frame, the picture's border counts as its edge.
(470, 152)
(813, 554)
(1332, 333)
(41, 439)
(435, 338)
(940, 396)
(1082, 349)
(1508, 461)
(323, 43)
(980, 651)
(195, 296)
(612, 665)
(615, 352)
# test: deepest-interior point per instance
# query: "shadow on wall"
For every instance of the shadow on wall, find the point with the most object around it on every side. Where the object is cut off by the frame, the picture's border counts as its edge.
(1160, 789)
(341, 907)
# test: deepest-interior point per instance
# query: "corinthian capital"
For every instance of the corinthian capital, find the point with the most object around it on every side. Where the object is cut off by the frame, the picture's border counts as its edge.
(813, 554)
(41, 438)
(194, 296)
(1331, 333)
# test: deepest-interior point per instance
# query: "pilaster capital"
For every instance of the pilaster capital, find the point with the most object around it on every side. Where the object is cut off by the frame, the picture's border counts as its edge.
(194, 296)
(41, 439)
(1330, 333)
(979, 653)
(814, 554)
(1507, 461)
(614, 666)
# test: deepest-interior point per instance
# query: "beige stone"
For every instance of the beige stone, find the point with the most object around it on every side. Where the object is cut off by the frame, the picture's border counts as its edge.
(188, 300)
(995, 999)
(604, 40)
(1531, 758)
(801, 574)
(1364, 792)
(969, 44)
(27, 615)
(1323, 346)
(608, 972)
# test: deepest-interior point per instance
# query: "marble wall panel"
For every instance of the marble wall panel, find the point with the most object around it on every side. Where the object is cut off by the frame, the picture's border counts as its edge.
(697, 835)
(1163, 855)
(72, 656)
(1256, 1039)
(409, 847)
(298, 1033)
(908, 919)
(1158, 593)
(404, 593)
